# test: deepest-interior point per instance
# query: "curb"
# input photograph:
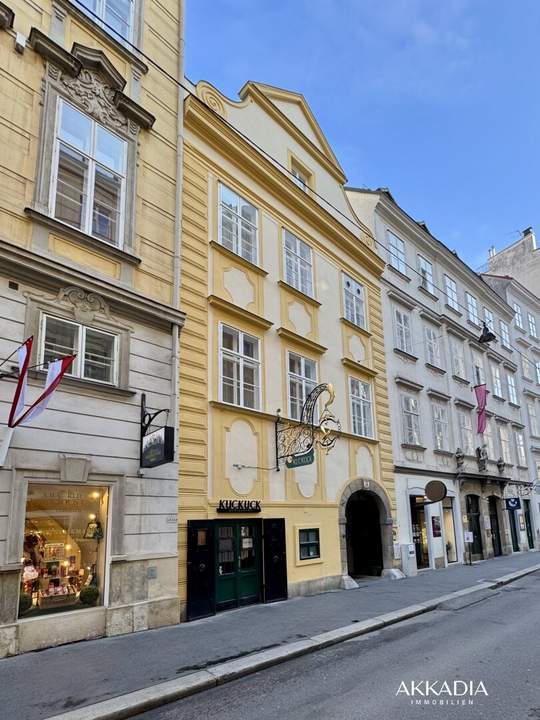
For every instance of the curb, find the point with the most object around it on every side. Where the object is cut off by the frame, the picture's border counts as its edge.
(133, 703)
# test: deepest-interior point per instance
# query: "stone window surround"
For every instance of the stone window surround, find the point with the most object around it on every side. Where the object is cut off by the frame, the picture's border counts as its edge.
(86, 79)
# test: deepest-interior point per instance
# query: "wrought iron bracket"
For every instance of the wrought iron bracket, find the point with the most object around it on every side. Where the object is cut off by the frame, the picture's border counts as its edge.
(148, 418)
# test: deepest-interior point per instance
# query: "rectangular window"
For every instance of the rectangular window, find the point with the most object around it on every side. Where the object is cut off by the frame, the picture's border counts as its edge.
(466, 432)
(411, 420)
(506, 449)
(478, 370)
(354, 301)
(488, 440)
(458, 359)
(537, 369)
(237, 224)
(396, 253)
(512, 393)
(240, 368)
(472, 309)
(533, 418)
(450, 289)
(440, 425)
(526, 366)
(433, 354)
(89, 170)
(532, 325)
(361, 407)
(63, 560)
(96, 350)
(115, 14)
(426, 274)
(298, 264)
(310, 546)
(402, 330)
(496, 378)
(520, 448)
(302, 378)
(300, 176)
(518, 316)
(488, 318)
(505, 334)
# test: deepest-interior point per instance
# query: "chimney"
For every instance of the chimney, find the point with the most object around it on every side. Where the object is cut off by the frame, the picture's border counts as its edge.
(492, 252)
(527, 234)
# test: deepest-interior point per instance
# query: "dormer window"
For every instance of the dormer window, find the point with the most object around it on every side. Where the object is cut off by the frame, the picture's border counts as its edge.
(301, 175)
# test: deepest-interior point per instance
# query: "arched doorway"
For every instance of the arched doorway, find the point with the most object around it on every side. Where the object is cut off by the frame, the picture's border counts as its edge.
(363, 533)
(494, 523)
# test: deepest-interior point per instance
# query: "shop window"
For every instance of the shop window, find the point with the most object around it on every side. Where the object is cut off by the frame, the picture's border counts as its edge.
(63, 562)
(310, 546)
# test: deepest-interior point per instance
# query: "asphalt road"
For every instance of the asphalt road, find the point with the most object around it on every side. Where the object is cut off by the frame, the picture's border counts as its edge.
(495, 640)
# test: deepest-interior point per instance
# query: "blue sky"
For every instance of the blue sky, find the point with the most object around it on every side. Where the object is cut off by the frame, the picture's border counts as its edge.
(436, 99)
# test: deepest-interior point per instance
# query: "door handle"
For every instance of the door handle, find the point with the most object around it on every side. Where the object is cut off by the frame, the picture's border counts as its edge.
(202, 567)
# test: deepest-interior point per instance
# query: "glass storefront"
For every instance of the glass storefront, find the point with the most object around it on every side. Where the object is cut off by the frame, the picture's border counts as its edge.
(63, 561)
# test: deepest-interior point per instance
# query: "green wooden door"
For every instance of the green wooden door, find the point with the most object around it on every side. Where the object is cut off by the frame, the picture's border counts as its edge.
(238, 563)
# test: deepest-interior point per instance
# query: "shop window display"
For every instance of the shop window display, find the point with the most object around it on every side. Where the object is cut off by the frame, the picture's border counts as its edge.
(63, 561)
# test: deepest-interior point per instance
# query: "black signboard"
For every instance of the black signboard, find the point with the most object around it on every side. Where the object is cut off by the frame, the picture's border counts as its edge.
(157, 447)
(513, 503)
(239, 506)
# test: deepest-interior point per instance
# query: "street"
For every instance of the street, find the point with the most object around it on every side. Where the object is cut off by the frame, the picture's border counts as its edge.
(493, 641)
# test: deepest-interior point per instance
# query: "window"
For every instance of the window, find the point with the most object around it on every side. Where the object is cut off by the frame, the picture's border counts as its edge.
(488, 440)
(518, 316)
(450, 289)
(532, 325)
(310, 546)
(512, 394)
(411, 420)
(396, 253)
(526, 366)
(302, 379)
(478, 369)
(537, 369)
(458, 358)
(298, 264)
(533, 418)
(63, 559)
(505, 334)
(117, 14)
(440, 425)
(497, 384)
(465, 432)
(504, 437)
(237, 224)
(426, 274)
(240, 368)
(402, 329)
(488, 318)
(300, 176)
(361, 407)
(96, 350)
(520, 447)
(433, 355)
(89, 184)
(354, 301)
(472, 309)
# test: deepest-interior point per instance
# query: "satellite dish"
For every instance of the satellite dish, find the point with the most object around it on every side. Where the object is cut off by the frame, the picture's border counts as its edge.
(435, 491)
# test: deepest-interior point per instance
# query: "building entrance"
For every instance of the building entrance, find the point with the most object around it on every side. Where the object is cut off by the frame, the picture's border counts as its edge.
(363, 532)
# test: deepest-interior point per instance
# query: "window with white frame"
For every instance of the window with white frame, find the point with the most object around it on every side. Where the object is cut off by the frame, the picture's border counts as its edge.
(237, 224)
(298, 263)
(396, 253)
(512, 392)
(302, 379)
(450, 290)
(520, 448)
(496, 378)
(361, 408)
(537, 369)
(488, 318)
(240, 368)
(300, 176)
(458, 358)
(506, 449)
(402, 330)
(426, 274)
(518, 316)
(88, 188)
(532, 325)
(465, 431)
(472, 308)
(533, 417)
(115, 14)
(488, 439)
(410, 415)
(478, 369)
(354, 301)
(439, 411)
(505, 334)
(433, 353)
(96, 350)
(526, 366)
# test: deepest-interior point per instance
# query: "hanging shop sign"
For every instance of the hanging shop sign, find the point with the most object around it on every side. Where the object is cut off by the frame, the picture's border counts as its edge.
(239, 506)
(513, 503)
(296, 461)
(157, 446)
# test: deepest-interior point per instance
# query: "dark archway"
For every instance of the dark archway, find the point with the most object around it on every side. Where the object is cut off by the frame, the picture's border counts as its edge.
(363, 533)
(493, 506)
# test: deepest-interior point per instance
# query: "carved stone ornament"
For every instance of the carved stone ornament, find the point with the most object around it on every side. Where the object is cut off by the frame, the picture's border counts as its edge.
(86, 305)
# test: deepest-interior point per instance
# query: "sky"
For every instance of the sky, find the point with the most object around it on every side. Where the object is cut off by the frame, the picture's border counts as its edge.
(438, 100)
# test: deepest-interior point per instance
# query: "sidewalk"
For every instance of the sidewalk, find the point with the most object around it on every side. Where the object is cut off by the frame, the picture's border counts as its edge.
(42, 684)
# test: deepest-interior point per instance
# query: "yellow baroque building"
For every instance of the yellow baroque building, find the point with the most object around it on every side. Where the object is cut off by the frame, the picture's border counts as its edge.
(282, 293)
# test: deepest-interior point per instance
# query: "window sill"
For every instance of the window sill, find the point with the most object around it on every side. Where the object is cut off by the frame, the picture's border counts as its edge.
(506, 347)
(446, 453)
(357, 328)
(435, 369)
(428, 293)
(88, 240)
(76, 382)
(453, 310)
(522, 467)
(474, 324)
(461, 380)
(514, 405)
(238, 258)
(400, 274)
(405, 354)
(299, 294)
(499, 398)
(412, 446)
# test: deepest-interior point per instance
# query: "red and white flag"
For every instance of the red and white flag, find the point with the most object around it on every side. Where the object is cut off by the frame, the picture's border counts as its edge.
(481, 392)
(19, 399)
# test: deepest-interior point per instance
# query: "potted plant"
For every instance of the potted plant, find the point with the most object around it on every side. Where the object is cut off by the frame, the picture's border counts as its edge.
(89, 595)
